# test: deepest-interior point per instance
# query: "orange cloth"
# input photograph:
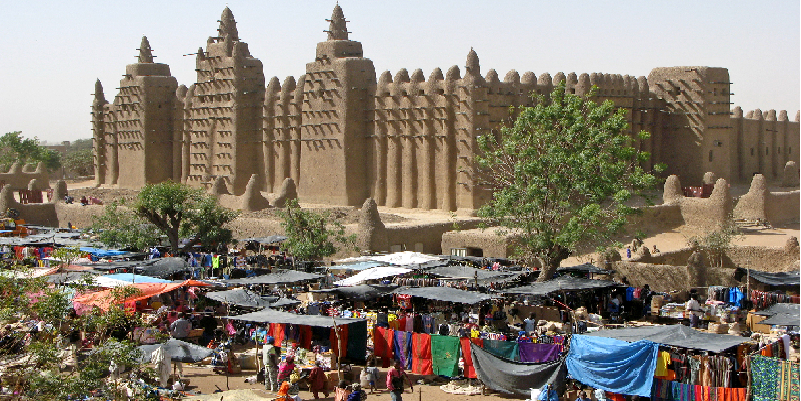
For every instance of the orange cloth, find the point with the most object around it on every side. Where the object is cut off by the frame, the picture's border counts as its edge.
(104, 300)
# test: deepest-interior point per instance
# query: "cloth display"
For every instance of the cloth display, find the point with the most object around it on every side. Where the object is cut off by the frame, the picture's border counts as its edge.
(421, 354)
(504, 349)
(536, 353)
(512, 377)
(403, 348)
(666, 390)
(613, 365)
(445, 355)
(383, 343)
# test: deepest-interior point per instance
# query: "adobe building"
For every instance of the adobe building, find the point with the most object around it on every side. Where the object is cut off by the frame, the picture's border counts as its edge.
(344, 134)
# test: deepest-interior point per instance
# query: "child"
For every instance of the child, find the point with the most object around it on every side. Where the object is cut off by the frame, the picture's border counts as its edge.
(372, 373)
(358, 394)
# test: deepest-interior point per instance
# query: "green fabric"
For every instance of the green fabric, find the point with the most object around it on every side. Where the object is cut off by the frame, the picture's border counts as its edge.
(503, 349)
(445, 355)
(765, 376)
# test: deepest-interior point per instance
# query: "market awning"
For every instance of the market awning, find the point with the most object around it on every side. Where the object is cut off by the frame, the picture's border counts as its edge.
(104, 299)
(277, 276)
(364, 292)
(239, 296)
(471, 273)
(583, 268)
(99, 252)
(375, 273)
(791, 278)
(782, 314)
(676, 335)
(446, 294)
(406, 258)
(274, 316)
(162, 267)
(563, 283)
(123, 279)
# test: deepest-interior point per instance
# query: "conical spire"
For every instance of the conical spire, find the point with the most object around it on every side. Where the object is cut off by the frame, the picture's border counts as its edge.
(472, 65)
(100, 98)
(145, 53)
(228, 25)
(337, 29)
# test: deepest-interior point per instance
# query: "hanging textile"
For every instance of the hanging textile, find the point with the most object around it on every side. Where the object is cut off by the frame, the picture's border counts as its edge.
(789, 388)
(403, 348)
(343, 340)
(512, 377)
(469, 371)
(383, 340)
(667, 390)
(357, 342)
(613, 365)
(305, 340)
(538, 353)
(421, 354)
(504, 349)
(445, 355)
(277, 330)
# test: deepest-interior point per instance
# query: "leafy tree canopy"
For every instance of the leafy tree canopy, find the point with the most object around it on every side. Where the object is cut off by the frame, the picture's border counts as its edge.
(14, 148)
(170, 209)
(561, 175)
(310, 235)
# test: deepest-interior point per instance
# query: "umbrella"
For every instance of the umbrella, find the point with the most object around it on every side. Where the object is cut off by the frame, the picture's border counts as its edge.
(563, 283)
(239, 296)
(180, 351)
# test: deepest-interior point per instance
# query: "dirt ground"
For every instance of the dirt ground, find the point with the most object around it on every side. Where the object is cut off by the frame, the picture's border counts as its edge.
(204, 380)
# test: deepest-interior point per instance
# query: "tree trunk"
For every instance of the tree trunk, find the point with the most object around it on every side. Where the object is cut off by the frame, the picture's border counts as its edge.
(555, 257)
(172, 235)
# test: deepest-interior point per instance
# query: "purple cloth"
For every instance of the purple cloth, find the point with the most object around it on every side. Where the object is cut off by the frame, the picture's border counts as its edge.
(538, 353)
(403, 348)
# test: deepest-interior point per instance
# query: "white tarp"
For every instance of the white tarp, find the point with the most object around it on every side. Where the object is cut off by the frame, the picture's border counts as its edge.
(405, 258)
(372, 274)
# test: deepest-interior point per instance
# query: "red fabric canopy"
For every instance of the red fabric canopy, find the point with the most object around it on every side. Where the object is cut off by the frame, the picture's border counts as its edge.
(103, 299)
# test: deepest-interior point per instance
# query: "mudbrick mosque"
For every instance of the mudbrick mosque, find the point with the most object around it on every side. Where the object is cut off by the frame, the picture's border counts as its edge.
(343, 134)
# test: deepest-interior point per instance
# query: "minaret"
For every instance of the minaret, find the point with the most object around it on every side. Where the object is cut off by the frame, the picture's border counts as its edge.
(99, 133)
(145, 52)
(223, 112)
(338, 89)
(337, 29)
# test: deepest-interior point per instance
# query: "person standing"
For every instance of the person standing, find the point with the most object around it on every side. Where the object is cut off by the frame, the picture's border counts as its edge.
(180, 328)
(530, 323)
(317, 381)
(270, 356)
(694, 308)
(583, 396)
(395, 379)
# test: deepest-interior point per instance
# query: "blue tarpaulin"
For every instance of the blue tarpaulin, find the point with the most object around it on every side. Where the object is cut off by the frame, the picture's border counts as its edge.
(102, 252)
(613, 365)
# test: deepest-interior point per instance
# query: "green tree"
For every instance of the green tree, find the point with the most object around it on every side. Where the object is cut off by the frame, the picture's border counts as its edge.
(561, 175)
(79, 163)
(310, 235)
(170, 209)
(14, 148)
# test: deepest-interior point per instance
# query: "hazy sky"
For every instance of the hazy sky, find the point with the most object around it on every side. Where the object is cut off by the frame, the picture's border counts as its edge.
(54, 50)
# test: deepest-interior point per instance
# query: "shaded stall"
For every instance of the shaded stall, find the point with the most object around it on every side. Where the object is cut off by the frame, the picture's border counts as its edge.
(782, 314)
(360, 292)
(375, 273)
(105, 299)
(352, 335)
(239, 297)
(162, 267)
(519, 378)
(479, 276)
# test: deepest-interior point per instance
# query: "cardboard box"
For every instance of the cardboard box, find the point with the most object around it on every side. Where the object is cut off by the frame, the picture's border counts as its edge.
(753, 324)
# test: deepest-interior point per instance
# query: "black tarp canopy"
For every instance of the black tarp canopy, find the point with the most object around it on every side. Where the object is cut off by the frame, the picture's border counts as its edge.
(273, 239)
(583, 268)
(274, 316)
(471, 273)
(791, 278)
(563, 283)
(283, 302)
(240, 297)
(518, 378)
(675, 335)
(782, 314)
(278, 276)
(162, 267)
(446, 294)
(361, 292)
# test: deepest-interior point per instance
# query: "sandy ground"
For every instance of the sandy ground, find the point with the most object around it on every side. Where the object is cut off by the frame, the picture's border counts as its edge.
(204, 380)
